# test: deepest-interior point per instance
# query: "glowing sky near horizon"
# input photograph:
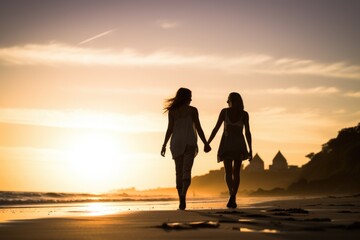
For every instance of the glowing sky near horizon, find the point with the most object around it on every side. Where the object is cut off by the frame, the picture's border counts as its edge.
(82, 83)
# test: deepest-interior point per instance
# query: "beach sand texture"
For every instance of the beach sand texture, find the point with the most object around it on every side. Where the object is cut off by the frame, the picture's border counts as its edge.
(320, 218)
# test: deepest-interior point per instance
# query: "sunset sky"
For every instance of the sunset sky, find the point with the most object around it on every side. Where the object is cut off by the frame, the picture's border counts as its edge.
(82, 83)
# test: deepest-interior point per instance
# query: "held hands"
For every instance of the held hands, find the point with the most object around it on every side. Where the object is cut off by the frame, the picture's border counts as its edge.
(207, 148)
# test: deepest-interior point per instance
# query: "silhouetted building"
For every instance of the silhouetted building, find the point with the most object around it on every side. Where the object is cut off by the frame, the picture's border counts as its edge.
(256, 164)
(279, 163)
(293, 167)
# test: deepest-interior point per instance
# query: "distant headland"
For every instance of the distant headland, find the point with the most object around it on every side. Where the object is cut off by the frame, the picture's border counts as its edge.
(333, 170)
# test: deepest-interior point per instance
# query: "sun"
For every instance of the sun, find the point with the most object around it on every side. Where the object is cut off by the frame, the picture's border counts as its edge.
(94, 158)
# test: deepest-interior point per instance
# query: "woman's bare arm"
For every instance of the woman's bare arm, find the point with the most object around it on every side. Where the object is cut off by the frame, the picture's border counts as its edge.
(217, 126)
(168, 132)
(248, 134)
(198, 127)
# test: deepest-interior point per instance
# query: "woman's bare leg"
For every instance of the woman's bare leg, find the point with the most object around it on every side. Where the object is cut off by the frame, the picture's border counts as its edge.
(179, 162)
(229, 175)
(183, 174)
(236, 180)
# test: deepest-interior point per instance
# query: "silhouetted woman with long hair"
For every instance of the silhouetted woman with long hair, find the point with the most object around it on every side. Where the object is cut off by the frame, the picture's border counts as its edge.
(232, 150)
(183, 127)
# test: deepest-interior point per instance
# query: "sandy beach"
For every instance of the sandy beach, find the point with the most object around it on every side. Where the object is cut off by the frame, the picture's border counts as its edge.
(316, 218)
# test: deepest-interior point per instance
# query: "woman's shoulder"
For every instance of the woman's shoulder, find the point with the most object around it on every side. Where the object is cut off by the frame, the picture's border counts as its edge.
(246, 114)
(183, 111)
(224, 110)
(223, 113)
(192, 109)
(180, 109)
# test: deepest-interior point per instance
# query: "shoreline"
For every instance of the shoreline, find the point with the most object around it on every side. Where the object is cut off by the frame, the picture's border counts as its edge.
(75, 209)
(330, 218)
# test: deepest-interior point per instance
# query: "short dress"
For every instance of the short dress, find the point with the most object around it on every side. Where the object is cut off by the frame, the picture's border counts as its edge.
(184, 135)
(232, 144)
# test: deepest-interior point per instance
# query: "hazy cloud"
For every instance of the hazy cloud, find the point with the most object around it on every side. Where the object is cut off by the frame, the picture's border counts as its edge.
(55, 53)
(144, 122)
(280, 125)
(165, 24)
(353, 94)
(296, 91)
(150, 91)
(28, 154)
(340, 111)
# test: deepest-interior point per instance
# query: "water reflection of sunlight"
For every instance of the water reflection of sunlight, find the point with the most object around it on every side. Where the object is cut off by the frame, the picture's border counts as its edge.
(99, 209)
(266, 230)
(270, 231)
(247, 220)
(242, 229)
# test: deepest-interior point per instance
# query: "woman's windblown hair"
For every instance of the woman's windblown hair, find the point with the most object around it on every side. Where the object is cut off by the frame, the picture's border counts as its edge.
(183, 96)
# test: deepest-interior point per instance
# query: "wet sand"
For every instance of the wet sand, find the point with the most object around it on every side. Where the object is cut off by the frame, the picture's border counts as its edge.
(320, 218)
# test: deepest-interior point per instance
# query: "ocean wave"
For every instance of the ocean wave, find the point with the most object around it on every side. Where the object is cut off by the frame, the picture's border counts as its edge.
(23, 198)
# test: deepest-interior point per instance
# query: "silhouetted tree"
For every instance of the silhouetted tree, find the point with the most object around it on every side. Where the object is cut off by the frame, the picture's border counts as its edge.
(310, 155)
(336, 168)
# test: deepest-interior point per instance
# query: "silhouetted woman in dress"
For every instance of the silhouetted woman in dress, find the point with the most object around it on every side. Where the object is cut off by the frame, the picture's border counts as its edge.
(183, 127)
(232, 150)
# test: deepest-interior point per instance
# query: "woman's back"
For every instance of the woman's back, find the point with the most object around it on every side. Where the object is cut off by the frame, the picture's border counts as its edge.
(232, 144)
(181, 112)
(184, 132)
(234, 121)
(234, 115)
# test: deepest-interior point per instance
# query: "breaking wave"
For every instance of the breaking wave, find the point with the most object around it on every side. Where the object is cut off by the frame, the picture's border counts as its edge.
(17, 198)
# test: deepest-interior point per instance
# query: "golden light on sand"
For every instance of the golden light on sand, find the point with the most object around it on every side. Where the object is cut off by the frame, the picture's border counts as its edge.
(100, 209)
(94, 158)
